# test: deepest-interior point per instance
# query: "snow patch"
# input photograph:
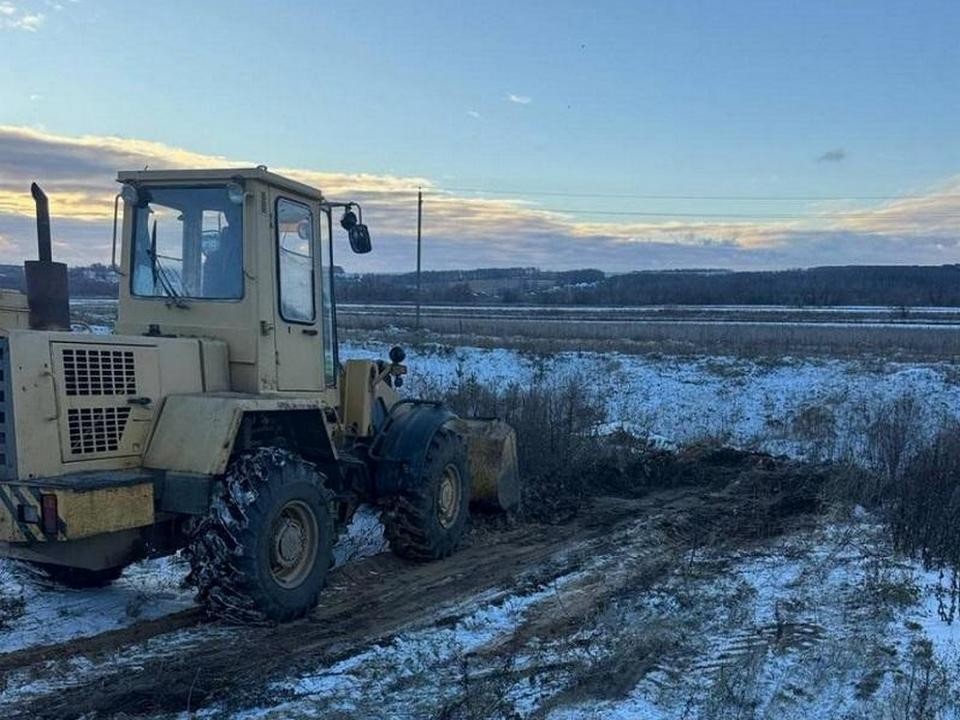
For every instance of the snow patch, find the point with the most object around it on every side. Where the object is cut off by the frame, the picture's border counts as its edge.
(363, 537)
(54, 614)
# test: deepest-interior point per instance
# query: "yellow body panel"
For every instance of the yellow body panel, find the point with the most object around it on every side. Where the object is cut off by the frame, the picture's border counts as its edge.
(362, 387)
(82, 402)
(82, 512)
(195, 433)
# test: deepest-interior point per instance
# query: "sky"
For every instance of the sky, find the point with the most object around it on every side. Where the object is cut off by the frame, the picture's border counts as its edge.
(619, 135)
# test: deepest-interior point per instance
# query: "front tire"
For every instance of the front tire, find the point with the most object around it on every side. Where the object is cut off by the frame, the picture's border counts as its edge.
(429, 517)
(263, 552)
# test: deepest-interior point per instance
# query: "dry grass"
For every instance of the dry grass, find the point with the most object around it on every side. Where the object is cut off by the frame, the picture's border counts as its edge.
(742, 339)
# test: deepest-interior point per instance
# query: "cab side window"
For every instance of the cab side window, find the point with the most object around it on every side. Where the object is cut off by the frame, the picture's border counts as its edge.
(295, 248)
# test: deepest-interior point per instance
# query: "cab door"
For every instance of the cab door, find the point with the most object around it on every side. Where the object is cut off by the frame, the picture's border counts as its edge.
(298, 330)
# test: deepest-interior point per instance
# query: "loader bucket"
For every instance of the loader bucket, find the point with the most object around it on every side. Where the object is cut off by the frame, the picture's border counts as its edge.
(492, 453)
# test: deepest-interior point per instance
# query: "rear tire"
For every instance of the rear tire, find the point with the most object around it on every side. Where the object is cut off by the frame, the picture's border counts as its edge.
(77, 578)
(263, 552)
(429, 517)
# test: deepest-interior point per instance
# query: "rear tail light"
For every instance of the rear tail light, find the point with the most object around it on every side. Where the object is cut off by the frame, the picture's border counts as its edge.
(48, 513)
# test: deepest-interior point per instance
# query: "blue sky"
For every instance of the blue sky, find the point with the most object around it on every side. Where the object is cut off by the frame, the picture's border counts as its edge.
(781, 99)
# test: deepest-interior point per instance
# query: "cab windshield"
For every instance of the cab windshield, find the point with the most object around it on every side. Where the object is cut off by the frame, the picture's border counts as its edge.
(187, 243)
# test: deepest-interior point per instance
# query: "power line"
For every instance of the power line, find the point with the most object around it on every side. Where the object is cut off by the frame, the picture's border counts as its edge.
(813, 215)
(641, 196)
(742, 216)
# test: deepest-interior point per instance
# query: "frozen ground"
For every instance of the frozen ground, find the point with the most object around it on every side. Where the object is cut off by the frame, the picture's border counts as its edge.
(147, 590)
(823, 622)
(53, 614)
(816, 626)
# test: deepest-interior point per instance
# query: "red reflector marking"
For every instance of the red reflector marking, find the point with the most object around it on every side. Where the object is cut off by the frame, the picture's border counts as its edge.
(48, 503)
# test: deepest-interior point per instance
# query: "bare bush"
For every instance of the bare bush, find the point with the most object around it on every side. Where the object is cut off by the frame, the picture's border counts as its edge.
(923, 501)
(893, 437)
(558, 443)
(923, 691)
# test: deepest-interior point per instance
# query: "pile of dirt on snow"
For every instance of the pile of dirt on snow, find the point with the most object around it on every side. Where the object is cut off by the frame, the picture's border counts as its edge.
(751, 491)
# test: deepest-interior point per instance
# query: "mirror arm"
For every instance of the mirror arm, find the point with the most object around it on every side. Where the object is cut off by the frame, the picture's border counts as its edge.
(345, 206)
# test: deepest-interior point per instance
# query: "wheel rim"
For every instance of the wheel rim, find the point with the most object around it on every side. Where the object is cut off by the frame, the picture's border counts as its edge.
(448, 496)
(293, 544)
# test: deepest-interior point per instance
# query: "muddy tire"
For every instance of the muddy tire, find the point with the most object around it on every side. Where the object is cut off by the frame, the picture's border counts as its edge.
(429, 517)
(263, 552)
(76, 578)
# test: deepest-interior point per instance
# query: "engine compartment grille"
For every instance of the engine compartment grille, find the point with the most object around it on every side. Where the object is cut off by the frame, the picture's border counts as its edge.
(96, 371)
(96, 429)
(100, 409)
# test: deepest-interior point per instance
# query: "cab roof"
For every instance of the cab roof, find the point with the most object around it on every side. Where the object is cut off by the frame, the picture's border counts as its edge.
(218, 175)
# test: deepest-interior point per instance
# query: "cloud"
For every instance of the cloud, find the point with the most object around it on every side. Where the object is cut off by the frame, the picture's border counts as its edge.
(835, 155)
(473, 114)
(78, 173)
(519, 99)
(14, 17)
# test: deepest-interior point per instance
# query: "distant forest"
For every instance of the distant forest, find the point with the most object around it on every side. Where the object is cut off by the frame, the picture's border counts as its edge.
(888, 286)
(89, 281)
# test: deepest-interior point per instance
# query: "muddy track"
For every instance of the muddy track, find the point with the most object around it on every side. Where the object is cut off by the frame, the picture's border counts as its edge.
(365, 603)
(99, 644)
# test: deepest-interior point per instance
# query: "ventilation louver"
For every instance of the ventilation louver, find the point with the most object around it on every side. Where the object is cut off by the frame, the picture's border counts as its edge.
(96, 429)
(88, 371)
(97, 382)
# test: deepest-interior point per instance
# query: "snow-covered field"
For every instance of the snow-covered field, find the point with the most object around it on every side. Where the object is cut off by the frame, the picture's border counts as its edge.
(811, 409)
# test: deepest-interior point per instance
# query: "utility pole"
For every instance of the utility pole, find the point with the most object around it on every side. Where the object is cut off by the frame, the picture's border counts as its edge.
(419, 225)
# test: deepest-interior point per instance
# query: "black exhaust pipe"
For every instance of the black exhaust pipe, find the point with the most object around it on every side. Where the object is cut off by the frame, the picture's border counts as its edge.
(48, 291)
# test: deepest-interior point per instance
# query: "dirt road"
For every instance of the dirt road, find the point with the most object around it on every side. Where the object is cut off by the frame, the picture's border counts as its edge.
(614, 545)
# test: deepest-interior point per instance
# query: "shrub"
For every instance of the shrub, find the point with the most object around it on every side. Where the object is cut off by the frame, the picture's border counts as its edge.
(923, 501)
(558, 442)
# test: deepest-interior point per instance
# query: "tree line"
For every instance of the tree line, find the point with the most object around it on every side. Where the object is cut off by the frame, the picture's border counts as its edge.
(883, 285)
(891, 286)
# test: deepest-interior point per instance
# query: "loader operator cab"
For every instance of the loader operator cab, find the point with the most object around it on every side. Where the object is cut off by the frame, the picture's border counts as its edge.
(243, 256)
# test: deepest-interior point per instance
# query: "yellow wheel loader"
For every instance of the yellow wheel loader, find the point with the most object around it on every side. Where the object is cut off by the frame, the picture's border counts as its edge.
(218, 419)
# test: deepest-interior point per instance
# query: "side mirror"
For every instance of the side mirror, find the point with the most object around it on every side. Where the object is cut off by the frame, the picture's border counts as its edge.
(357, 232)
(359, 239)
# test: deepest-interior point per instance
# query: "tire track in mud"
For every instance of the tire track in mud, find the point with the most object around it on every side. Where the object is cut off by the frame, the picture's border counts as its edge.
(365, 603)
(105, 642)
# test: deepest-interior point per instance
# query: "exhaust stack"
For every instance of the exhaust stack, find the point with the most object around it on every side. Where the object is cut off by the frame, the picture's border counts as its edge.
(48, 292)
